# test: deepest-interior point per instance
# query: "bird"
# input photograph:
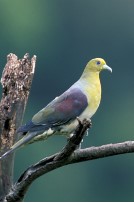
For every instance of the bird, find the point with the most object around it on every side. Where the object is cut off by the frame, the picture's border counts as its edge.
(59, 117)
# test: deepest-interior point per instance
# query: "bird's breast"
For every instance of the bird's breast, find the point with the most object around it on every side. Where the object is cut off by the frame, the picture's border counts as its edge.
(93, 93)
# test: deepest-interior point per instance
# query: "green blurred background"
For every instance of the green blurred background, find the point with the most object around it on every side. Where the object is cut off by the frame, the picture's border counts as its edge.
(65, 34)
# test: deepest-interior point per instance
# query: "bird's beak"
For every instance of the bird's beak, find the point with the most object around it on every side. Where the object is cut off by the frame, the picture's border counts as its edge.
(106, 67)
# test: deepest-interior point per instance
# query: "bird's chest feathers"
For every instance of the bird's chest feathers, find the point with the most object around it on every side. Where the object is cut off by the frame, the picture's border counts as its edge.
(92, 89)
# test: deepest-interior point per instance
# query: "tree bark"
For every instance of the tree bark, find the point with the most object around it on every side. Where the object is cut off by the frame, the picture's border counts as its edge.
(16, 82)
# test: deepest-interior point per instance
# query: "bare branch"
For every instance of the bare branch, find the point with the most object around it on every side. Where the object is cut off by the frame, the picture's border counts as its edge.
(65, 157)
(92, 153)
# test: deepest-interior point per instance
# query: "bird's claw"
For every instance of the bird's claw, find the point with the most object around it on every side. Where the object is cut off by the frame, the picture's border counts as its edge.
(86, 121)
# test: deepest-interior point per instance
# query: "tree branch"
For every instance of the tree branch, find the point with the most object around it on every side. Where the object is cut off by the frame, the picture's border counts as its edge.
(68, 155)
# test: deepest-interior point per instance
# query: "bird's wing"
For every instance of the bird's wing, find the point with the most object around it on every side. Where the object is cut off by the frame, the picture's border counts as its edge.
(60, 111)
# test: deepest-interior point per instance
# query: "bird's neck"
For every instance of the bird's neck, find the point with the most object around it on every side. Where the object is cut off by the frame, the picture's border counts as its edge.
(91, 78)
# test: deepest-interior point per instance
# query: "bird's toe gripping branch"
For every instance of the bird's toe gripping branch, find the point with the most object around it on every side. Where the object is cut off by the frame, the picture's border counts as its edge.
(82, 128)
(86, 122)
(85, 125)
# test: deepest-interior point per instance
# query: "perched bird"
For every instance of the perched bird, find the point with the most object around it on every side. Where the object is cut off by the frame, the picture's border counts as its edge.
(60, 116)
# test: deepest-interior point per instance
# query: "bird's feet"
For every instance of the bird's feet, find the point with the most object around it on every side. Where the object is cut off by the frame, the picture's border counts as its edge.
(85, 122)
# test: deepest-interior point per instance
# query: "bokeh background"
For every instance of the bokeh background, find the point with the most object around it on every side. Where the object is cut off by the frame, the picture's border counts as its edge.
(65, 34)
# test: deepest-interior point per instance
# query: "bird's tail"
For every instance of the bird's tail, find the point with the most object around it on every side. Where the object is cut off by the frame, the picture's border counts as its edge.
(20, 143)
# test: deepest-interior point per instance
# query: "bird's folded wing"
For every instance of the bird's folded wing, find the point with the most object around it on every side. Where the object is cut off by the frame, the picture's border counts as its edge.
(60, 111)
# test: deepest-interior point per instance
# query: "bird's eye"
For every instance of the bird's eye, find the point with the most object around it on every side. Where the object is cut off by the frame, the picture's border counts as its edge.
(98, 62)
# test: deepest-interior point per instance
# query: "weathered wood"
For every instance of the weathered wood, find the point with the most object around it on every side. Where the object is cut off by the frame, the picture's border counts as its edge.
(16, 82)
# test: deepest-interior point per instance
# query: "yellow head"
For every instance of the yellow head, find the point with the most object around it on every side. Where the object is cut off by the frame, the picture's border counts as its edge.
(96, 65)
